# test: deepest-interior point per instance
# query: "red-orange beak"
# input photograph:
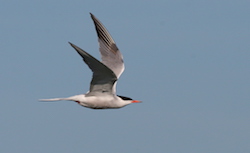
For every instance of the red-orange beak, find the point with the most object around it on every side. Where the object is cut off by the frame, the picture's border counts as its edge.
(136, 101)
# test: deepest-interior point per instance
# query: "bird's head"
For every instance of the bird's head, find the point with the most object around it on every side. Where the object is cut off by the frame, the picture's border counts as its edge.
(129, 100)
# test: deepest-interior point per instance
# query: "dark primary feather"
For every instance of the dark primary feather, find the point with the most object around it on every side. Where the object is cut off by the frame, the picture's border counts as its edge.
(103, 78)
(104, 35)
(111, 56)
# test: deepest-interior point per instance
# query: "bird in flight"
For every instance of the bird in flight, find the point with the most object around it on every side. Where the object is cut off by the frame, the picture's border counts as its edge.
(102, 91)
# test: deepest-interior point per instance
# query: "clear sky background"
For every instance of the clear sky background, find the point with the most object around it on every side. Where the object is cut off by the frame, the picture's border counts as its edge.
(188, 61)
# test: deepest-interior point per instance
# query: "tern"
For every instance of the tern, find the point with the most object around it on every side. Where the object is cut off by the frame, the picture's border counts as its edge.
(102, 91)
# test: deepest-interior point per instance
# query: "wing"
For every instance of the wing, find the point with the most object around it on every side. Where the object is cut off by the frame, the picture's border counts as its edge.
(103, 78)
(111, 56)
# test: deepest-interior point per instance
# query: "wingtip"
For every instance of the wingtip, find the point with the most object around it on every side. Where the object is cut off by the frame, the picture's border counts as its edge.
(74, 46)
(71, 44)
(93, 17)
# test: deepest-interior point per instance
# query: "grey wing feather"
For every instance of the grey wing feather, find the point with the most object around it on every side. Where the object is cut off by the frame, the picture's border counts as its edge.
(111, 56)
(103, 78)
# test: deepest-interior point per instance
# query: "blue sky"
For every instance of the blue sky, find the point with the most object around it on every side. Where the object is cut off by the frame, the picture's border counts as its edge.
(188, 61)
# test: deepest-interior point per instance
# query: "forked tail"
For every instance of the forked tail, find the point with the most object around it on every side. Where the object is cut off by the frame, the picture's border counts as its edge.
(53, 99)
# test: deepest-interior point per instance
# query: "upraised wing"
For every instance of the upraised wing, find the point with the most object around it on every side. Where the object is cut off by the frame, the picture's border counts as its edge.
(111, 56)
(103, 78)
